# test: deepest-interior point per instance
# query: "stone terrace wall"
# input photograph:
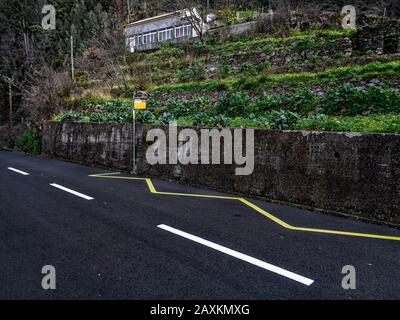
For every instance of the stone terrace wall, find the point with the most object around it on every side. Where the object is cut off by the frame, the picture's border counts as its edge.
(344, 172)
(380, 38)
(94, 144)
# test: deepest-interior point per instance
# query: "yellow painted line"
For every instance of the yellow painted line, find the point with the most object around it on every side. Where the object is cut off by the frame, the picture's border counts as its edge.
(114, 177)
(345, 233)
(151, 186)
(104, 174)
(196, 195)
(265, 213)
(270, 216)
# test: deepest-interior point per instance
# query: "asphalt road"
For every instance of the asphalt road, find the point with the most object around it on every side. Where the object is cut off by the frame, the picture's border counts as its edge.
(114, 239)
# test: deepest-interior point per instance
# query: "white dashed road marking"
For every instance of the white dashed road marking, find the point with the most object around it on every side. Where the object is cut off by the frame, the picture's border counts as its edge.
(78, 194)
(241, 256)
(18, 171)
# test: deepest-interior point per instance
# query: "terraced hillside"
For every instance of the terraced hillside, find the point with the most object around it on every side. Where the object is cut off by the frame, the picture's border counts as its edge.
(311, 80)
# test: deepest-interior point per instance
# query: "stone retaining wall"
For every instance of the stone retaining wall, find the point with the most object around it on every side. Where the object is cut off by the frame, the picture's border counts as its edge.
(344, 172)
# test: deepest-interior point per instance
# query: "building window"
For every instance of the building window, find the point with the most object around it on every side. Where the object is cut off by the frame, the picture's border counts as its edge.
(170, 33)
(166, 34)
(159, 36)
(148, 38)
(183, 31)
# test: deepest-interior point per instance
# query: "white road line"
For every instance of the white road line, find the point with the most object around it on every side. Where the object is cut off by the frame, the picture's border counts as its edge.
(240, 256)
(18, 171)
(78, 194)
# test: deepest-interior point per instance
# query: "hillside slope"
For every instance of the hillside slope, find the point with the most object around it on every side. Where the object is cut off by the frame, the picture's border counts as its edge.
(313, 80)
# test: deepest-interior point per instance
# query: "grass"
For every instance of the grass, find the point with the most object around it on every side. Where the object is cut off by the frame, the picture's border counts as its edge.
(314, 37)
(379, 123)
(330, 76)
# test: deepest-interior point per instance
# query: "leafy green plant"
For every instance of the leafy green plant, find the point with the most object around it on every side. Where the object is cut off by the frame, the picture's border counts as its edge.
(195, 72)
(224, 70)
(30, 142)
(282, 119)
(247, 68)
(246, 15)
(210, 120)
(302, 101)
(228, 16)
(70, 116)
(167, 50)
(233, 104)
(350, 100)
(382, 123)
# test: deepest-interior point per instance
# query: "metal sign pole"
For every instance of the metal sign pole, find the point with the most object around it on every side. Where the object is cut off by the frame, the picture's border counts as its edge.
(133, 141)
(139, 103)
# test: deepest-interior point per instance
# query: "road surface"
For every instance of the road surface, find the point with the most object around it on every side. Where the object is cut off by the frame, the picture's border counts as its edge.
(112, 236)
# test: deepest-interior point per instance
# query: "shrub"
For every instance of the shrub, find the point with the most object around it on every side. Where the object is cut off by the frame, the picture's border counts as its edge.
(228, 16)
(198, 104)
(70, 116)
(195, 72)
(248, 68)
(382, 99)
(30, 142)
(224, 70)
(177, 107)
(302, 101)
(167, 50)
(282, 119)
(267, 102)
(199, 48)
(233, 104)
(246, 15)
(146, 117)
(48, 94)
(350, 100)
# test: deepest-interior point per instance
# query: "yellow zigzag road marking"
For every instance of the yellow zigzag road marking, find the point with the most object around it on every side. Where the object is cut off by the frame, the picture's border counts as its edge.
(249, 204)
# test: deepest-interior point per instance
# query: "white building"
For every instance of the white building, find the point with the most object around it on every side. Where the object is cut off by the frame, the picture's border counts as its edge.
(174, 27)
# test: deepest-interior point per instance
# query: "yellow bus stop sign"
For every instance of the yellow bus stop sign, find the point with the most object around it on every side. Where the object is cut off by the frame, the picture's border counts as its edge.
(139, 104)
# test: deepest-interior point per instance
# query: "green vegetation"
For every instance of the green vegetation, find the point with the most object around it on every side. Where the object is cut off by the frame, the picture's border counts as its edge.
(251, 92)
(97, 110)
(230, 16)
(329, 77)
(30, 142)
(300, 109)
(383, 123)
(191, 62)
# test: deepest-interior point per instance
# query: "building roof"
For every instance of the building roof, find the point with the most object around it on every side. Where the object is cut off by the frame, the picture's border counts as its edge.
(156, 18)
